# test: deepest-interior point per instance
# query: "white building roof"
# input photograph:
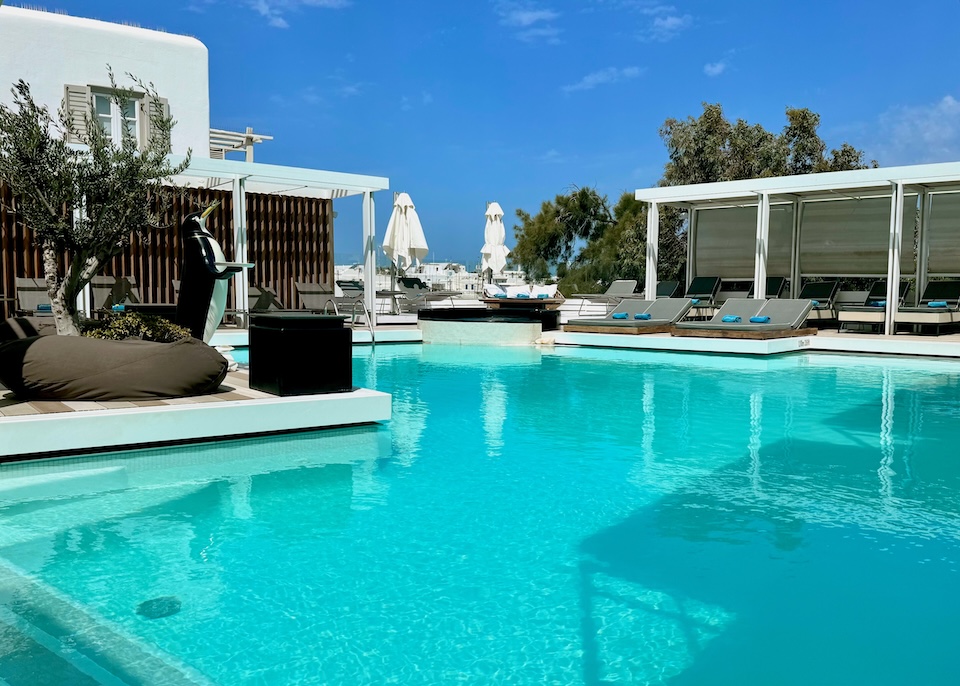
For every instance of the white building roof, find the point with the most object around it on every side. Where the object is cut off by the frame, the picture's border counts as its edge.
(277, 180)
(837, 185)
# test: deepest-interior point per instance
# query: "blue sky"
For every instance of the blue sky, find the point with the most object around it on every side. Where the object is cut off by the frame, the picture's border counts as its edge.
(460, 102)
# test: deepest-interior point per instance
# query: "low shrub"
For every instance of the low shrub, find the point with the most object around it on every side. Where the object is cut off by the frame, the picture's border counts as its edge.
(118, 326)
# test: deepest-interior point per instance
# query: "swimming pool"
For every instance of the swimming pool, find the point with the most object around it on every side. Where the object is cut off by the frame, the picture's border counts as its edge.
(566, 516)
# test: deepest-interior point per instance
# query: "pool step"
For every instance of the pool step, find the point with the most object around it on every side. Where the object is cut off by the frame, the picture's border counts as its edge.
(56, 636)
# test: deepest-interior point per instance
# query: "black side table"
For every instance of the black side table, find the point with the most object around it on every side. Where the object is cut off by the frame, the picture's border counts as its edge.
(293, 353)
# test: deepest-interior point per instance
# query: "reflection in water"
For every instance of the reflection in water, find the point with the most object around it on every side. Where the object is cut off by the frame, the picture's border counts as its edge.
(653, 519)
(493, 409)
(756, 424)
(885, 471)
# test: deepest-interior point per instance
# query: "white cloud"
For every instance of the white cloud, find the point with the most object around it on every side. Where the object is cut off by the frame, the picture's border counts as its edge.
(666, 25)
(549, 34)
(274, 10)
(919, 134)
(551, 156)
(525, 17)
(530, 22)
(602, 77)
(426, 98)
(714, 68)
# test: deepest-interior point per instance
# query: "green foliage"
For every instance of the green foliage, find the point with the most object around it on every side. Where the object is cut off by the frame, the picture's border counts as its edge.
(85, 201)
(589, 245)
(119, 326)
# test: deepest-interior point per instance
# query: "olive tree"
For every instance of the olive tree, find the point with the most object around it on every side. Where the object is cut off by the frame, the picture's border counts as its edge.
(85, 201)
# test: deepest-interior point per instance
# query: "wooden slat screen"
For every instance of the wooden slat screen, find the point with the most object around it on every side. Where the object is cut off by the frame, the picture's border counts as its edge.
(288, 239)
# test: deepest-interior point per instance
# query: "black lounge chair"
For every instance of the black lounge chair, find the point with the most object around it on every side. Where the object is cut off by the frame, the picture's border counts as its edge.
(657, 317)
(775, 287)
(870, 315)
(823, 294)
(703, 291)
(668, 289)
(784, 318)
(939, 305)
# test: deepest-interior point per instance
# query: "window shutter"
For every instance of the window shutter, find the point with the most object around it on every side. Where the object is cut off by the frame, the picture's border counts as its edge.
(152, 108)
(76, 103)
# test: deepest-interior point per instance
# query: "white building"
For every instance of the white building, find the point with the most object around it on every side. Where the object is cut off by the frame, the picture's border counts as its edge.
(64, 60)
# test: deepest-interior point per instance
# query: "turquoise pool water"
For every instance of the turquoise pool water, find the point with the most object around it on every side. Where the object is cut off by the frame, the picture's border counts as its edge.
(560, 517)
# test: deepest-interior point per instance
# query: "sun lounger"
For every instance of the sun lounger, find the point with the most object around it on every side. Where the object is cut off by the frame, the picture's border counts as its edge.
(755, 319)
(263, 299)
(101, 293)
(939, 306)
(668, 289)
(703, 291)
(634, 316)
(617, 291)
(775, 287)
(870, 315)
(417, 294)
(315, 296)
(32, 299)
(823, 294)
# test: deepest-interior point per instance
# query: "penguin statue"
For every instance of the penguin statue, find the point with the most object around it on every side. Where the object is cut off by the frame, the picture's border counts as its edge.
(204, 277)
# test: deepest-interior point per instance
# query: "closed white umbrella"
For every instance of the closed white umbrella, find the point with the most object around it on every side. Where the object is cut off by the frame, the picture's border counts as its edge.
(494, 252)
(404, 243)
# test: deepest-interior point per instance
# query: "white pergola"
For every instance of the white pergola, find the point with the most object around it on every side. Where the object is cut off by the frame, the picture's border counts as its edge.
(273, 179)
(836, 230)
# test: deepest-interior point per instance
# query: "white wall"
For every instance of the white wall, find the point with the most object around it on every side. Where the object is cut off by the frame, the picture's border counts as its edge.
(50, 50)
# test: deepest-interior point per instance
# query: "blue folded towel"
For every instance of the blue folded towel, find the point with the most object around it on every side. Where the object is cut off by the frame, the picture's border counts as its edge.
(937, 303)
(499, 295)
(642, 315)
(541, 296)
(730, 319)
(694, 301)
(619, 315)
(878, 303)
(759, 319)
(815, 303)
(44, 307)
(523, 295)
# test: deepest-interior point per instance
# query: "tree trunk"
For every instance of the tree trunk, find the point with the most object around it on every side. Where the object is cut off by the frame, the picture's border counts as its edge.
(64, 313)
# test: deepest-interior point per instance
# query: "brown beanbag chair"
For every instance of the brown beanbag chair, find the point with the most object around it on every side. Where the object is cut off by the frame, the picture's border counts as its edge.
(78, 368)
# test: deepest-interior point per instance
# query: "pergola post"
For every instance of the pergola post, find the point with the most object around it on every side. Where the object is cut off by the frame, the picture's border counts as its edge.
(241, 284)
(369, 257)
(893, 258)
(798, 206)
(693, 219)
(923, 244)
(653, 242)
(763, 239)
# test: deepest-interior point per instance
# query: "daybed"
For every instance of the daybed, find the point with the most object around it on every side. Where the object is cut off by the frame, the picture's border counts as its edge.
(753, 319)
(634, 316)
(939, 306)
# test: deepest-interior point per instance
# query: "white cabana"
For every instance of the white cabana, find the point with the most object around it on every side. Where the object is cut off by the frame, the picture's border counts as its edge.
(848, 223)
(494, 252)
(404, 242)
(256, 177)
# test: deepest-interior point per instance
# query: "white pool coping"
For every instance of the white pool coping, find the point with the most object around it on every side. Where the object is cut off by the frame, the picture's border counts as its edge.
(864, 344)
(73, 432)
(240, 338)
